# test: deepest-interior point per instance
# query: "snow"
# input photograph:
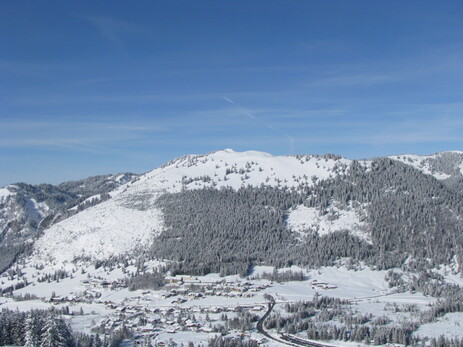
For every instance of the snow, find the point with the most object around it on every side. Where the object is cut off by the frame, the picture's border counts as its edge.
(5, 193)
(422, 163)
(110, 228)
(365, 287)
(247, 168)
(121, 178)
(450, 325)
(36, 210)
(305, 219)
(89, 199)
(14, 213)
(130, 218)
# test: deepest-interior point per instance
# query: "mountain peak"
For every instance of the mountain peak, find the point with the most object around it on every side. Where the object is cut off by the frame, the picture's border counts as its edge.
(228, 150)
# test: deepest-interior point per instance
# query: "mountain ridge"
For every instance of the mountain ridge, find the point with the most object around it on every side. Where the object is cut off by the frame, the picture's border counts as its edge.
(131, 217)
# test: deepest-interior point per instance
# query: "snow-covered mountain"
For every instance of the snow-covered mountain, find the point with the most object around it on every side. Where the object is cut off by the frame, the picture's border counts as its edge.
(445, 166)
(25, 209)
(356, 229)
(131, 217)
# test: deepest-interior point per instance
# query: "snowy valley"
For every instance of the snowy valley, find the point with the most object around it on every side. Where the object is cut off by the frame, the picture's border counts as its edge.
(330, 251)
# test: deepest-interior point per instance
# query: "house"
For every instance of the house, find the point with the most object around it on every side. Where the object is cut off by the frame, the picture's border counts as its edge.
(174, 280)
(147, 328)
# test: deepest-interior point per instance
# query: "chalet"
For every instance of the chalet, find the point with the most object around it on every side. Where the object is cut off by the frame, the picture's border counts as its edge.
(317, 283)
(192, 296)
(238, 308)
(105, 284)
(174, 280)
(147, 328)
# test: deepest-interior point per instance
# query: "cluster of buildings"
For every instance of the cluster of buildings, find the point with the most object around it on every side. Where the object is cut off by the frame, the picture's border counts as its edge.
(322, 285)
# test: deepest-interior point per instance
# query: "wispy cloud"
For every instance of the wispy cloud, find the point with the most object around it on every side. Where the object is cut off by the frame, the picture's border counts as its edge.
(111, 28)
(355, 80)
(90, 81)
(26, 68)
(432, 130)
(98, 137)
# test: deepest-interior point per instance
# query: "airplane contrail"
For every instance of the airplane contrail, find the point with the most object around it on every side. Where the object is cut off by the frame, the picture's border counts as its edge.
(229, 100)
(248, 114)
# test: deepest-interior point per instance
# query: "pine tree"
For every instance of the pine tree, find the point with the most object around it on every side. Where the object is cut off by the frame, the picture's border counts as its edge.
(31, 331)
(56, 333)
(50, 336)
(147, 342)
(97, 341)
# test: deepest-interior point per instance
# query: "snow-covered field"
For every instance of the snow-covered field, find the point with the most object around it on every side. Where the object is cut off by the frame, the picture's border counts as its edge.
(109, 229)
(228, 168)
(172, 307)
(450, 325)
(308, 219)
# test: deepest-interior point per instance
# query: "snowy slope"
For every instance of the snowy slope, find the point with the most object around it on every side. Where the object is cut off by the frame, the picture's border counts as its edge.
(23, 207)
(130, 219)
(234, 169)
(19, 212)
(308, 219)
(5, 192)
(441, 165)
(108, 229)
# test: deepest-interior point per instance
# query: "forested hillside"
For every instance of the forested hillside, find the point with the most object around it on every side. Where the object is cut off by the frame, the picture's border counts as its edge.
(227, 211)
(409, 215)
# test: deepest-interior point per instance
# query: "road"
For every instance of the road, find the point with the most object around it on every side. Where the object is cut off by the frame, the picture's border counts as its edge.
(285, 339)
(260, 323)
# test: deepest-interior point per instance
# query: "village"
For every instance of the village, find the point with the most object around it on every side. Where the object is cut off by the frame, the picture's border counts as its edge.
(185, 304)
(178, 307)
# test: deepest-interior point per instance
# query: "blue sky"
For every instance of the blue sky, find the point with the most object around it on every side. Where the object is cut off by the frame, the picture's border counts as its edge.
(94, 87)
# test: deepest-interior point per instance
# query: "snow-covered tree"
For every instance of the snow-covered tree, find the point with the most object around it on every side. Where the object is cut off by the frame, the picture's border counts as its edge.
(56, 333)
(32, 332)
